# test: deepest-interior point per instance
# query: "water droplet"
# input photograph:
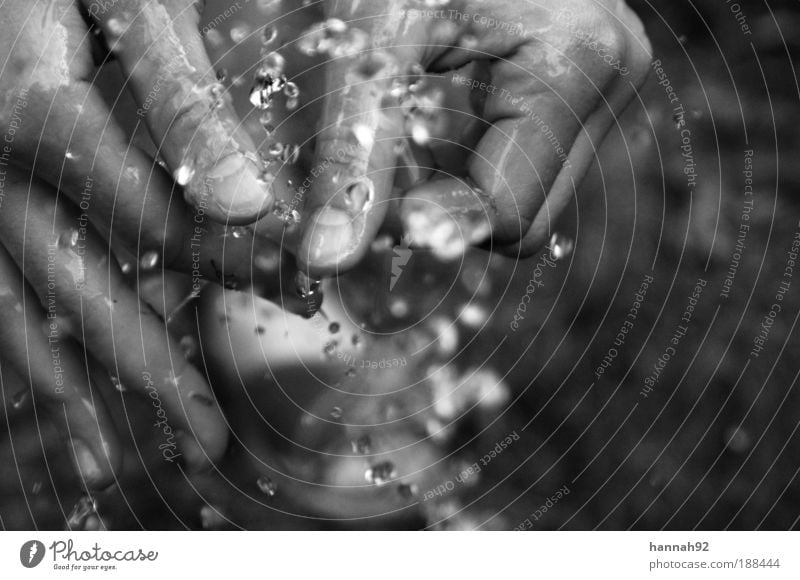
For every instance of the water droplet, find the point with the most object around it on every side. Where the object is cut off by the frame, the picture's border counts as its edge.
(291, 90)
(419, 131)
(350, 372)
(115, 27)
(83, 508)
(399, 307)
(272, 65)
(284, 212)
(211, 518)
(183, 174)
(336, 413)
(362, 445)
(19, 399)
(364, 135)
(737, 439)
(240, 232)
(266, 486)
(561, 246)
(73, 239)
(222, 75)
(359, 194)
(407, 490)
(188, 344)
(330, 348)
(269, 34)
(469, 42)
(356, 340)
(473, 315)
(117, 383)
(239, 33)
(436, 3)
(333, 327)
(290, 153)
(265, 118)
(70, 155)
(126, 267)
(305, 285)
(214, 38)
(216, 92)
(332, 37)
(291, 104)
(149, 260)
(380, 473)
(36, 489)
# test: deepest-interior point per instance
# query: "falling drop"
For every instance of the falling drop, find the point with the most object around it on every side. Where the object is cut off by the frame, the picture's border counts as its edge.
(333, 328)
(305, 285)
(398, 307)
(359, 194)
(380, 473)
(269, 34)
(407, 491)
(737, 439)
(183, 174)
(364, 135)
(362, 445)
(561, 246)
(83, 508)
(149, 260)
(126, 267)
(473, 315)
(330, 348)
(336, 413)
(266, 486)
(18, 399)
(70, 155)
(285, 213)
(240, 232)
(418, 128)
(291, 104)
(211, 517)
(239, 33)
(117, 383)
(222, 75)
(188, 345)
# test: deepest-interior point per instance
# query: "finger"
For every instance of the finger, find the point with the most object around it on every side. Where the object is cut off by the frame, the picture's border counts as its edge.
(543, 89)
(58, 377)
(94, 304)
(66, 134)
(187, 111)
(355, 157)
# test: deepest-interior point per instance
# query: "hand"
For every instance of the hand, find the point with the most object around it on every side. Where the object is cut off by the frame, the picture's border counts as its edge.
(72, 187)
(547, 81)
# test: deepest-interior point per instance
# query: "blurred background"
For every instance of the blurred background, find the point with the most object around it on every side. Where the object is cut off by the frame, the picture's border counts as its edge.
(443, 403)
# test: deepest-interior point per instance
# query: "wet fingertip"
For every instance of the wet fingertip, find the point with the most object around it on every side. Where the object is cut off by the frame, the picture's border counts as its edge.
(329, 242)
(95, 471)
(231, 191)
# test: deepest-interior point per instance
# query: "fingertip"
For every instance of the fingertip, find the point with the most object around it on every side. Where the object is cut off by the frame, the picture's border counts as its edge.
(232, 191)
(330, 242)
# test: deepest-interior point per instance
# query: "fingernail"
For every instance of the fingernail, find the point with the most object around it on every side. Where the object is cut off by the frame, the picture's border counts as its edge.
(328, 238)
(231, 191)
(87, 463)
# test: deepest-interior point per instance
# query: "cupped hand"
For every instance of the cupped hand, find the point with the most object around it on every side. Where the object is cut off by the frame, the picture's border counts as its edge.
(545, 81)
(80, 204)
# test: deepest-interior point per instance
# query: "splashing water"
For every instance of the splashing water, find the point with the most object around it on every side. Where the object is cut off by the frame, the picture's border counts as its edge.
(183, 174)
(19, 399)
(381, 473)
(561, 246)
(305, 285)
(267, 486)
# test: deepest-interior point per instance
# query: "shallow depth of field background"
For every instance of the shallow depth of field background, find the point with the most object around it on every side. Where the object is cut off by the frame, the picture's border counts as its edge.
(715, 443)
